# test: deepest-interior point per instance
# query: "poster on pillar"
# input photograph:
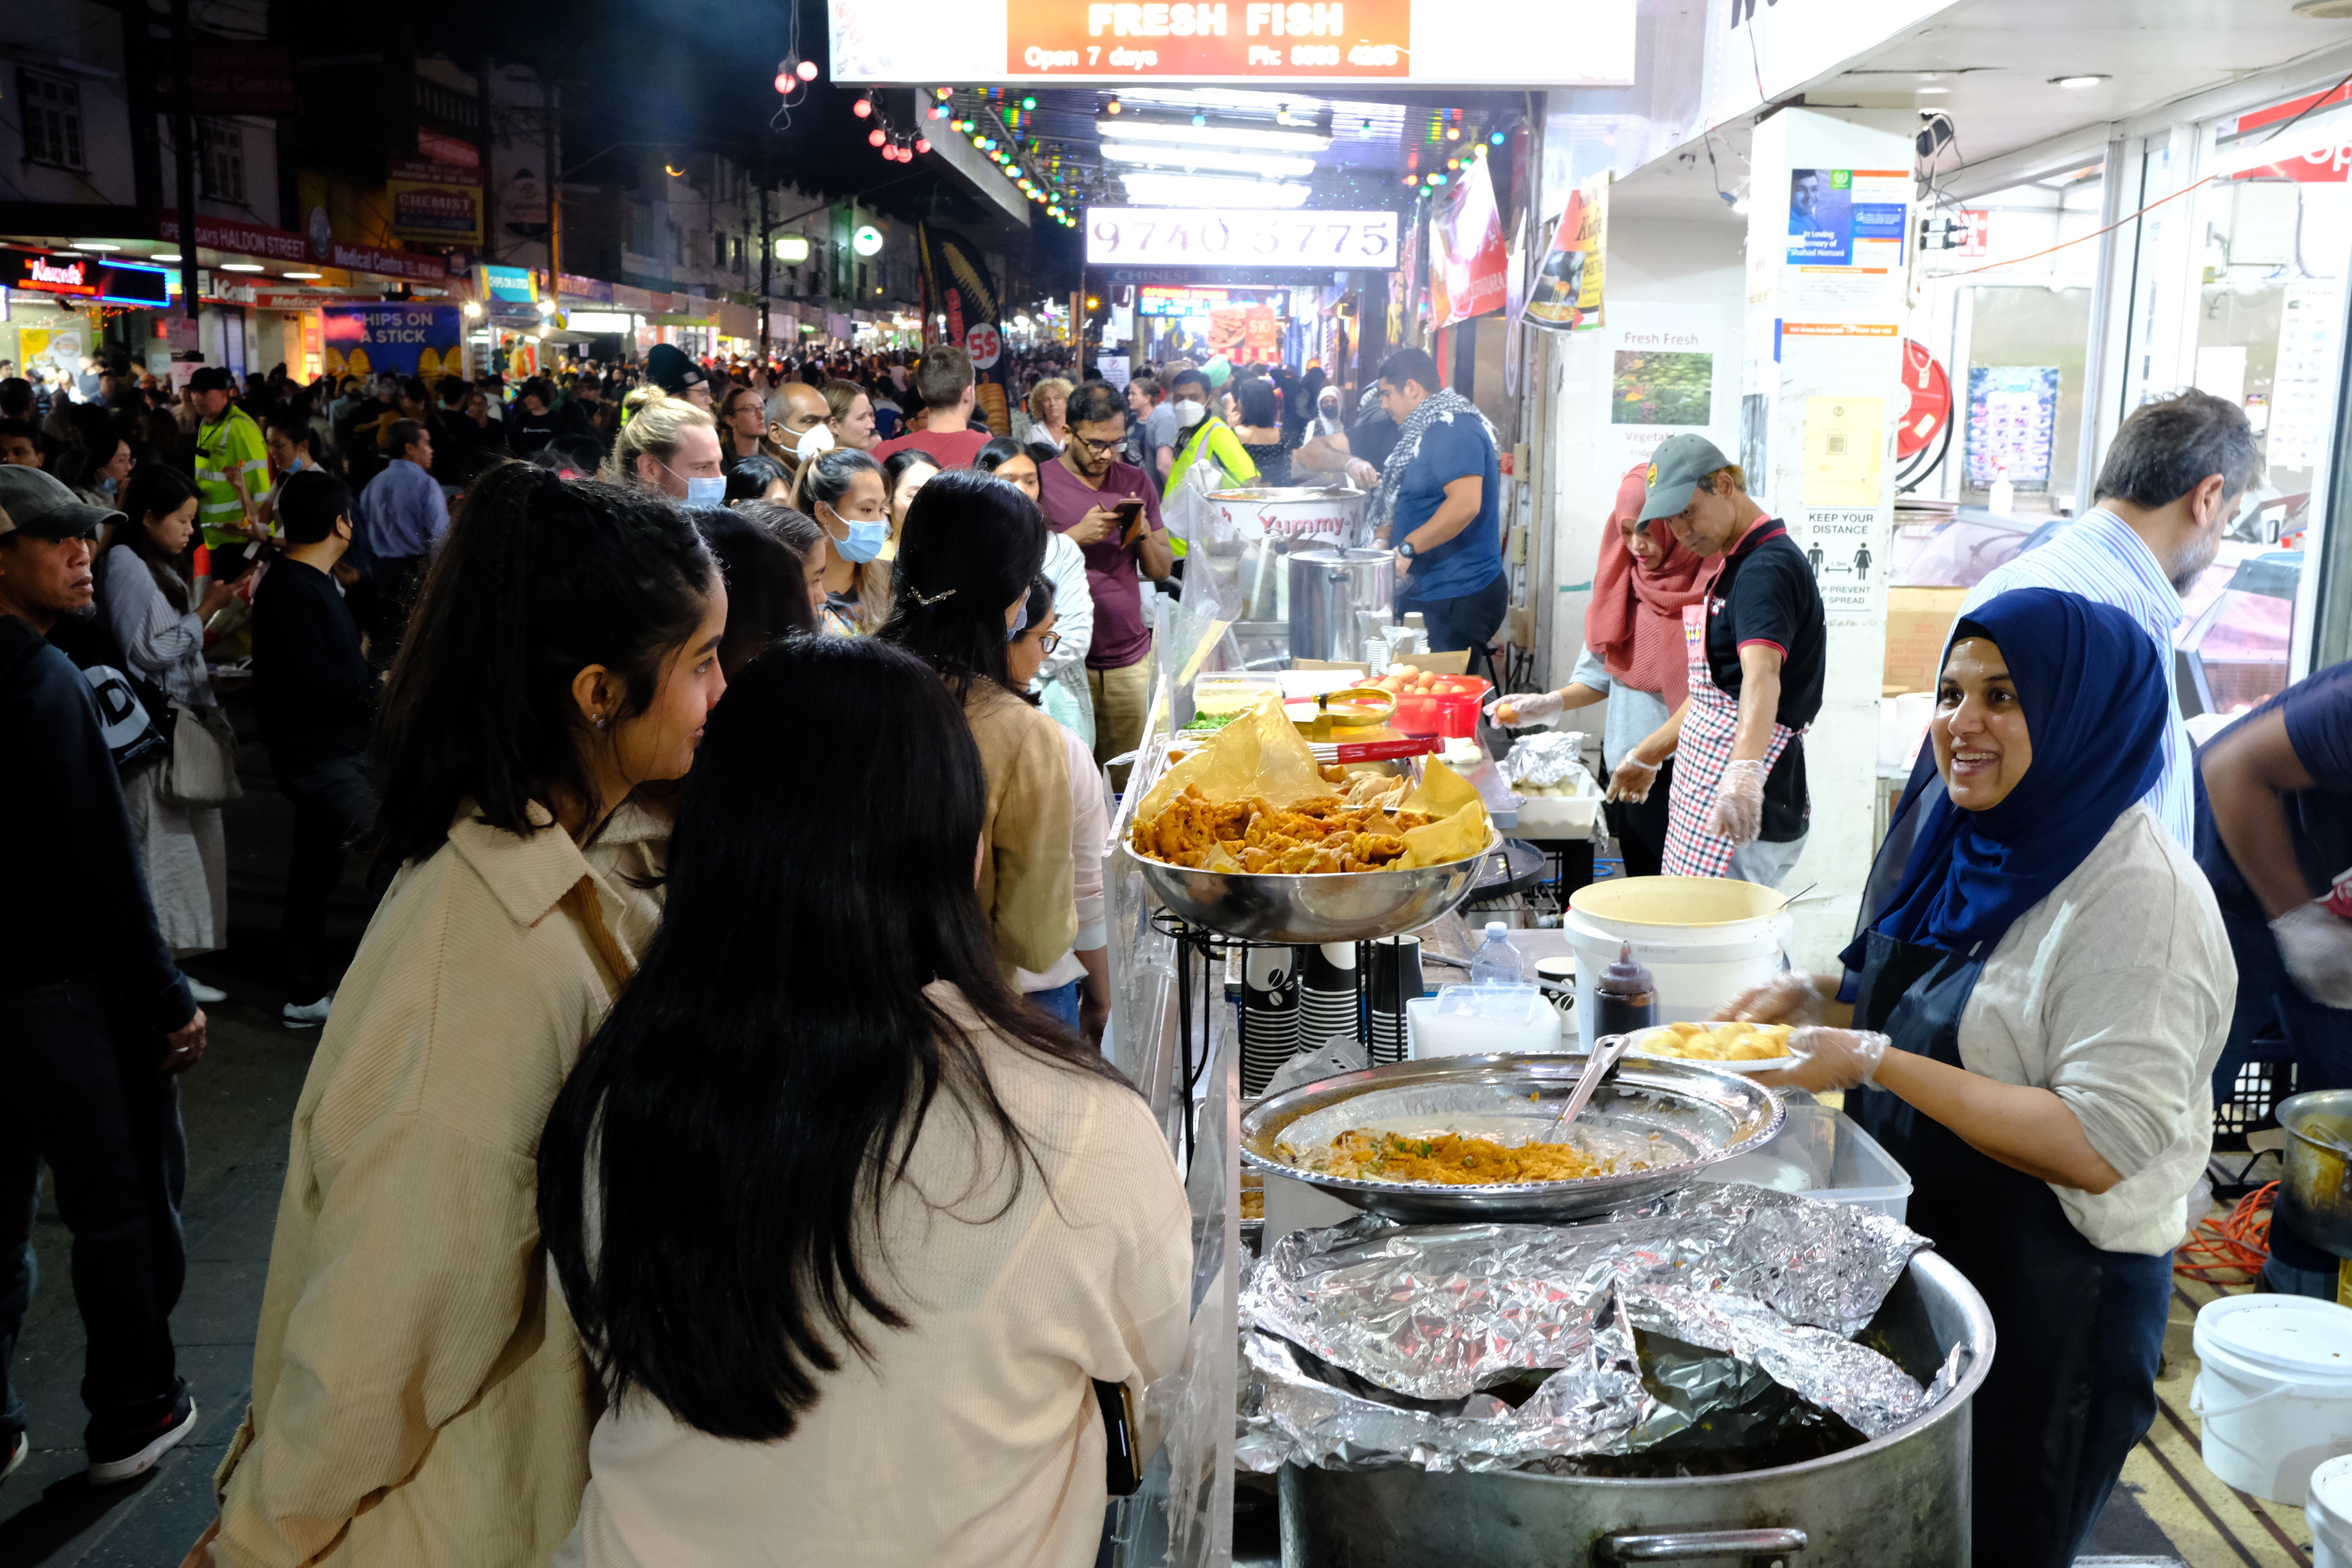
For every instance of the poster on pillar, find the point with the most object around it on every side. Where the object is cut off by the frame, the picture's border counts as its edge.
(1832, 477)
(1673, 370)
(1568, 290)
(1468, 266)
(957, 286)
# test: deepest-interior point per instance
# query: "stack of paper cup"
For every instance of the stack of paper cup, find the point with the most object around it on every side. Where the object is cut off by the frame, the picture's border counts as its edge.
(1395, 979)
(1269, 1015)
(1327, 999)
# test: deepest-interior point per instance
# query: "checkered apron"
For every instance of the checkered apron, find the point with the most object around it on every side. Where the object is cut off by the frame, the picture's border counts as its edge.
(1699, 756)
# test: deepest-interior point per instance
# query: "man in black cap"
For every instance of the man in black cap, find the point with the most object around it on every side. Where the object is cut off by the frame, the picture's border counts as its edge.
(668, 367)
(1757, 640)
(94, 1016)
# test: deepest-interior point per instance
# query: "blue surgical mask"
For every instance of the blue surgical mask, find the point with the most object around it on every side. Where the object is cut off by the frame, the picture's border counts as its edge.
(706, 492)
(864, 541)
(1020, 621)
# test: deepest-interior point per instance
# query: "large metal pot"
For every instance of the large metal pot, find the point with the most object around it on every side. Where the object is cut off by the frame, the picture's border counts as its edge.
(1900, 1501)
(2316, 1192)
(1330, 593)
(1301, 512)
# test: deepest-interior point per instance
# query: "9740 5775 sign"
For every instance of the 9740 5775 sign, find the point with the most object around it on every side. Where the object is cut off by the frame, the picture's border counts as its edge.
(1194, 237)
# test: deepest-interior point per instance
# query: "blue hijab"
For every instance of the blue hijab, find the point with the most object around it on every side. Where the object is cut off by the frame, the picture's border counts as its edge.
(2092, 685)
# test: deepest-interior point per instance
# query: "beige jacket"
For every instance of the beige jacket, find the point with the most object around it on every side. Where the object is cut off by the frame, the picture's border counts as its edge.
(1025, 878)
(972, 1437)
(418, 1395)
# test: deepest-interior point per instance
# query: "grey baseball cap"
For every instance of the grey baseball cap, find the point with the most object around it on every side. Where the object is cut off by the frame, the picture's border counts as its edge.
(1675, 469)
(33, 500)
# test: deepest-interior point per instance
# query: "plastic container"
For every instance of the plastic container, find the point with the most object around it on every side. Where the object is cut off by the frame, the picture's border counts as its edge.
(1232, 690)
(2327, 1510)
(1480, 1020)
(1457, 714)
(1422, 712)
(1825, 1154)
(1705, 938)
(1497, 962)
(2273, 1390)
(1625, 996)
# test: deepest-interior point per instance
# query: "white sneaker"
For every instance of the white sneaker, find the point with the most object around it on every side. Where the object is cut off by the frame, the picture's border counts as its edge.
(16, 1455)
(305, 1017)
(126, 1455)
(210, 996)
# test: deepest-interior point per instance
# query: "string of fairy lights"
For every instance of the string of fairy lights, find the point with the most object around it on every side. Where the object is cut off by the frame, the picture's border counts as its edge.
(992, 120)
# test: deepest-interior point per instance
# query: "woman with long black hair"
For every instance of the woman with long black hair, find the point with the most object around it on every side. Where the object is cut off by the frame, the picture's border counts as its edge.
(416, 1399)
(847, 1255)
(959, 597)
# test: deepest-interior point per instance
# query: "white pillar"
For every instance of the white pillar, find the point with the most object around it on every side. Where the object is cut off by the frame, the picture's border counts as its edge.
(1830, 238)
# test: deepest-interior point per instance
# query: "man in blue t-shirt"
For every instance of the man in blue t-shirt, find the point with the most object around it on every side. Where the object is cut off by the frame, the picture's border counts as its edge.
(2273, 833)
(1440, 506)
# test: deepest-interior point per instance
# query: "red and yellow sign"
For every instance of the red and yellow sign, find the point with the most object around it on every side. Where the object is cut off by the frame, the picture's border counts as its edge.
(1286, 38)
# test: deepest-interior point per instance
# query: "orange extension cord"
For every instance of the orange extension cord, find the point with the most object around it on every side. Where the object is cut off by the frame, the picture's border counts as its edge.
(2218, 1251)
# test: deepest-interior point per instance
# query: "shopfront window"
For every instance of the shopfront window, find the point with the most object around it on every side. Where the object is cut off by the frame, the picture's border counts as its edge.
(2266, 246)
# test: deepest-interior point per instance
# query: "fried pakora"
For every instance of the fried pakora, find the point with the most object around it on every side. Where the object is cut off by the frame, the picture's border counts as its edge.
(1322, 833)
(1443, 1159)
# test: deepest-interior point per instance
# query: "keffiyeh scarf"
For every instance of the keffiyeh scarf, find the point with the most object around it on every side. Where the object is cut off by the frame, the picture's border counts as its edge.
(1442, 407)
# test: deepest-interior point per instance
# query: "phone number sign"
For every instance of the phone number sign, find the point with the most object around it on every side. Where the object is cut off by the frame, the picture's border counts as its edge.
(1206, 236)
(1334, 40)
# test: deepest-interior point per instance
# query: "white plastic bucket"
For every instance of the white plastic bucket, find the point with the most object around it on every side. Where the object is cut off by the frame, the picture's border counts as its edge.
(2327, 1510)
(2274, 1391)
(1707, 939)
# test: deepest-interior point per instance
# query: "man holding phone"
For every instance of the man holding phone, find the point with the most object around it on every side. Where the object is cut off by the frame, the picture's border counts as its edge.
(1110, 509)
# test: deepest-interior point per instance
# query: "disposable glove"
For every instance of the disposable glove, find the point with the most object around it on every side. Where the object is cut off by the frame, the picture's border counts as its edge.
(1632, 780)
(1831, 1058)
(2316, 945)
(1524, 707)
(1738, 812)
(1788, 997)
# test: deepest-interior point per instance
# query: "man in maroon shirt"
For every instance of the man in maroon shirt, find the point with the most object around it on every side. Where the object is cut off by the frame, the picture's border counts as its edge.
(944, 381)
(1082, 491)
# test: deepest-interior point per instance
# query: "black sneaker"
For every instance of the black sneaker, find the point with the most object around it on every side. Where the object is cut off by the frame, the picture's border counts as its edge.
(20, 1448)
(119, 1456)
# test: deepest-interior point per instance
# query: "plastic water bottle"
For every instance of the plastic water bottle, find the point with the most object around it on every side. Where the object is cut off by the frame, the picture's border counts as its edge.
(1497, 962)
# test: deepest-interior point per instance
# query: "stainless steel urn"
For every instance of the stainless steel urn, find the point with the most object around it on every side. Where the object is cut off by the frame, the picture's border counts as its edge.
(1332, 592)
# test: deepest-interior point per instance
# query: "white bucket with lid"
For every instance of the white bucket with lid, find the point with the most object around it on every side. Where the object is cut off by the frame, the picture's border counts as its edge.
(1705, 938)
(2274, 1391)
(2327, 1510)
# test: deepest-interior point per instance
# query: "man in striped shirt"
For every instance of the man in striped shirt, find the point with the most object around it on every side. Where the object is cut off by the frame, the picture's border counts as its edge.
(232, 465)
(2171, 482)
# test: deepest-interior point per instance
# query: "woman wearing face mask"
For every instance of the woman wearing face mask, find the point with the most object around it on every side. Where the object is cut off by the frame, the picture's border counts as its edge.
(103, 484)
(1634, 660)
(2040, 988)
(669, 446)
(158, 621)
(1060, 679)
(844, 492)
(1077, 989)
(959, 597)
(849, 416)
(416, 1397)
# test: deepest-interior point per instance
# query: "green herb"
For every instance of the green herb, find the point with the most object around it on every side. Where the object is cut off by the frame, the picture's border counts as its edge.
(1211, 720)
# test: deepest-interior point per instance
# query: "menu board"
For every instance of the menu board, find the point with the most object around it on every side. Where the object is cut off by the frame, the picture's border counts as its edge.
(2012, 421)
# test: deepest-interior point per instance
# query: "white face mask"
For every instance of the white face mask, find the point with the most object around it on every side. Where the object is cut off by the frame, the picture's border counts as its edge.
(1188, 414)
(814, 442)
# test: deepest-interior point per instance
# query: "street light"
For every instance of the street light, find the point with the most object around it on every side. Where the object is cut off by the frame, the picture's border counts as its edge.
(791, 249)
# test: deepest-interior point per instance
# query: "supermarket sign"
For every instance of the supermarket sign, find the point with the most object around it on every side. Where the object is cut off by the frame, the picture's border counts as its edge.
(1283, 43)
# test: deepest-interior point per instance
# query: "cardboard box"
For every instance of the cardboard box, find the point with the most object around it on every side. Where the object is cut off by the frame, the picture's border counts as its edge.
(1454, 663)
(1917, 621)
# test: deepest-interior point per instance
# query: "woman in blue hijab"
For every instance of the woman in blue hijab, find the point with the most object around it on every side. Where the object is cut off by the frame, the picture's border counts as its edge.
(2035, 1010)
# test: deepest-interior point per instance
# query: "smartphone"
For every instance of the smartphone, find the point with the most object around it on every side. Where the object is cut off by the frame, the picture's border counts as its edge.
(1121, 1430)
(1131, 520)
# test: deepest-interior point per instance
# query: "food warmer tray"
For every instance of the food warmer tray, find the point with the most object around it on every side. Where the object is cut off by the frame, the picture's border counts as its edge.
(1319, 907)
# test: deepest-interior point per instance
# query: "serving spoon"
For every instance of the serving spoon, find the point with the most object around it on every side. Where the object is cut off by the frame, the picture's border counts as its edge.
(1607, 1052)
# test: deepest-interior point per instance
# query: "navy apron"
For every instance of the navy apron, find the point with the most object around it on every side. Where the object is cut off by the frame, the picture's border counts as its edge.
(2077, 1330)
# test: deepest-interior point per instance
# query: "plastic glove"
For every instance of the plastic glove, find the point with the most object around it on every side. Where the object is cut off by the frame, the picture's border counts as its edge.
(1632, 780)
(1738, 812)
(1524, 707)
(2316, 945)
(1788, 997)
(1830, 1059)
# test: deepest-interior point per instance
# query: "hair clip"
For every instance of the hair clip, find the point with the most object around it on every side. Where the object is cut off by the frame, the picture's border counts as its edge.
(927, 602)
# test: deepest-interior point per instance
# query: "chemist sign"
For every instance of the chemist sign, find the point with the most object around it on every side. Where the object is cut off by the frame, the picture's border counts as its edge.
(423, 341)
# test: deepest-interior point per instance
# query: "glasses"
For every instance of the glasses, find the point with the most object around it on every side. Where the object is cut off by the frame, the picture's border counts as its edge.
(1099, 447)
(1048, 643)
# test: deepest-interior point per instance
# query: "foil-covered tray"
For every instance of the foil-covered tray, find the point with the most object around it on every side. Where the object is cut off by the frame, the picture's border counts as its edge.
(1675, 1118)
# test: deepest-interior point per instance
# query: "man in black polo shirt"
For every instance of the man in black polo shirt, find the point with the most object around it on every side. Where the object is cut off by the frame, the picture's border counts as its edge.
(1757, 642)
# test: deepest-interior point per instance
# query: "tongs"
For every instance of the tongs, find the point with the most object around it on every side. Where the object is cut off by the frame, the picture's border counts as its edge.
(1607, 1051)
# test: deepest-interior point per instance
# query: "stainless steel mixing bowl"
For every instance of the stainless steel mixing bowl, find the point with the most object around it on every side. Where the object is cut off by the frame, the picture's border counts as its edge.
(1342, 906)
(1697, 1112)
